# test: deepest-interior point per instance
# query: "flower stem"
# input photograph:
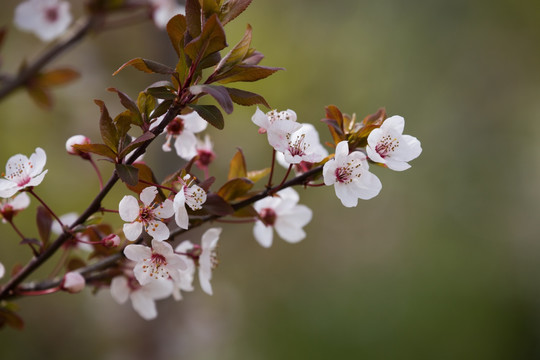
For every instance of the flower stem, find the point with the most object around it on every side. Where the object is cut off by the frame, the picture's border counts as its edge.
(284, 178)
(100, 178)
(231, 221)
(31, 191)
(159, 186)
(269, 185)
(108, 210)
(38, 292)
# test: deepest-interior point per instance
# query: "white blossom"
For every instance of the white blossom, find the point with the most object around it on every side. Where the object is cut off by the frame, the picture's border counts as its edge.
(277, 125)
(22, 172)
(302, 145)
(76, 140)
(185, 283)
(73, 282)
(164, 10)
(183, 129)
(2, 270)
(283, 214)
(11, 206)
(147, 216)
(80, 240)
(387, 145)
(349, 173)
(47, 19)
(191, 195)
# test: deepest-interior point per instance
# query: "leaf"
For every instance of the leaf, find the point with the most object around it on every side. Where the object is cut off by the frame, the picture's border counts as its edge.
(257, 175)
(232, 8)
(44, 222)
(332, 112)
(161, 109)
(193, 17)
(235, 188)
(211, 114)
(145, 174)
(10, 318)
(162, 92)
(109, 133)
(129, 104)
(57, 77)
(75, 263)
(146, 103)
(217, 92)
(136, 143)
(209, 7)
(99, 149)
(211, 39)
(246, 98)
(237, 166)
(123, 122)
(237, 54)
(176, 28)
(41, 96)
(215, 205)
(246, 212)
(148, 66)
(129, 174)
(247, 73)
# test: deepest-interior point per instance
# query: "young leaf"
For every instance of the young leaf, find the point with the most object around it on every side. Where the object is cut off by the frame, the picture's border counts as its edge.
(332, 112)
(176, 28)
(232, 8)
(148, 66)
(128, 174)
(161, 109)
(136, 143)
(237, 167)
(209, 7)
(215, 205)
(128, 103)
(145, 174)
(238, 53)
(146, 103)
(109, 133)
(99, 149)
(235, 188)
(246, 212)
(246, 73)
(41, 95)
(211, 114)
(10, 318)
(257, 175)
(193, 17)
(57, 77)
(123, 122)
(162, 92)
(211, 39)
(246, 98)
(217, 92)
(44, 222)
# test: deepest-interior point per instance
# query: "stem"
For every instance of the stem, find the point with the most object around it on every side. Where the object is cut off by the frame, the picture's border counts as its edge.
(269, 185)
(108, 210)
(231, 221)
(31, 191)
(94, 165)
(159, 186)
(38, 292)
(17, 230)
(285, 177)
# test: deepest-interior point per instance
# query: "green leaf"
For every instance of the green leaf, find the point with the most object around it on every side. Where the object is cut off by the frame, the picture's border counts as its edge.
(146, 103)
(232, 8)
(123, 122)
(148, 66)
(237, 54)
(44, 222)
(136, 143)
(128, 174)
(176, 28)
(237, 167)
(235, 188)
(109, 133)
(246, 73)
(246, 98)
(211, 114)
(211, 39)
(217, 92)
(99, 149)
(209, 8)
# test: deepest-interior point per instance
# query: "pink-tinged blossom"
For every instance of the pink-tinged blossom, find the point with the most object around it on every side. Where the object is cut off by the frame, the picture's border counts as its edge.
(283, 214)
(205, 152)
(142, 297)
(387, 145)
(183, 129)
(76, 140)
(80, 240)
(47, 19)
(349, 173)
(277, 125)
(22, 173)
(158, 262)
(11, 206)
(164, 10)
(111, 241)
(2, 270)
(148, 215)
(73, 282)
(303, 145)
(185, 283)
(191, 195)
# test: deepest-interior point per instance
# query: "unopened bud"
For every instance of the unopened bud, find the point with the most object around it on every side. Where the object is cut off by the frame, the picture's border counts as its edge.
(111, 241)
(77, 140)
(73, 282)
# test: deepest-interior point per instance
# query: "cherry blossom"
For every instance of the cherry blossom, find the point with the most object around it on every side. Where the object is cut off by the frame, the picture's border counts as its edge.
(111, 241)
(80, 240)
(277, 125)
(47, 19)
(283, 214)
(11, 206)
(2, 270)
(185, 283)
(147, 216)
(349, 173)
(73, 282)
(22, 173)
(183, 129)
(387, 145)
(76, 140)
(158, 262)
(191, 195)
(142, 297)
(164, 10)
(205, 152)
(302, 145)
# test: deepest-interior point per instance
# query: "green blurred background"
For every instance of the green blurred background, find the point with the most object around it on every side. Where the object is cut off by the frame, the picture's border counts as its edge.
(443, 264)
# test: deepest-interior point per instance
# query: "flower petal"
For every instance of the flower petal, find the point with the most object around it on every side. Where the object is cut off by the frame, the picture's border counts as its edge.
(133, 230)
(128, 208)
(148, 195)
(144, 305)
(193, 122)
(20, 202)
(138, 253)
(158, 230)
(120, 289)
(186, 145)
(263, 234)
(38, 159)
(165, 210)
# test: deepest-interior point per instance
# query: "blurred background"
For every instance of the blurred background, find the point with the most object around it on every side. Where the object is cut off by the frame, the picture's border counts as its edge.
(443, 264)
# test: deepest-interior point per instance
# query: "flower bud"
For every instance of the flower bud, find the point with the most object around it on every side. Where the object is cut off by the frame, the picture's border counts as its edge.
(111, 241)
(77, 140)
(73, 282)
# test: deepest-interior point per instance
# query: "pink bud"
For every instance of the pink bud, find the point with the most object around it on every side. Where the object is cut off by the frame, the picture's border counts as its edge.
(73, 282)
(111, 241)
(76, 140)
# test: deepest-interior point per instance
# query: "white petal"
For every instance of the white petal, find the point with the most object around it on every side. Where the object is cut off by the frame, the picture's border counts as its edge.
(165, 210)
(137, 252)
(120, 289)
(142, 274)
(67, 219)
(395, 122)
(159, 289)
(193, 122)
(260, 119)
(7, 192)
(210, 238)
(290, 232)
(368, 186)
(342, 151)
(20, 202)
(35, 181)
(181, 215)
(186, 145)
(148, 195)
(346, 193)
(143, 305)
(2, 270)
(158, 230)
(329, 172)
(184, 246)
(38, 159)
(263, 234)
(397, 165)
(204, 279)
(128, 208)
(132, 230)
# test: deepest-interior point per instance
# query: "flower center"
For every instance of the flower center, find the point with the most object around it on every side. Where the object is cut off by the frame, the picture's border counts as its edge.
(386, 145)
(176, 126)
(268, 216)
(343, 175)
(205, 158)
(51, 14)
(146, 214)
(18, 172)
(299, 146)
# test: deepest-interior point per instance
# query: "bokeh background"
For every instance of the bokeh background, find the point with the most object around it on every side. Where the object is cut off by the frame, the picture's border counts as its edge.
(443, 264)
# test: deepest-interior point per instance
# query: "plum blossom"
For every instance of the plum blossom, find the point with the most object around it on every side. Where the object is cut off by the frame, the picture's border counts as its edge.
(204, 256)
(80, 241)
(147, 216)
(387, 145)
(73, 282)
(302, 145)
(111, 241)
(2, 270)
(76, 140)
(183, 129)
(283, 214)
(205, 152)
(349, 173)
(191, 195)
(158, 262)
(11, 206)
(186, 277)
(164, 10)
(277, 125)
(22, 173)
(142, 297)
(47, 19)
